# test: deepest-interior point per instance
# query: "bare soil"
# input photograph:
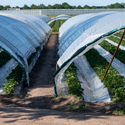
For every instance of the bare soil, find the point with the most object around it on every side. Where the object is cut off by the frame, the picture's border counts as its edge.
(40, 94)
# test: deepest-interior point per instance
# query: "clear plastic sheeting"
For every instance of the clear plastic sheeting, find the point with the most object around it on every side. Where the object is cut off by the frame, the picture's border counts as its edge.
(44, 18)
(78, 35)
(118, 65)
(94, 89)
(23, 37)
(59, 17)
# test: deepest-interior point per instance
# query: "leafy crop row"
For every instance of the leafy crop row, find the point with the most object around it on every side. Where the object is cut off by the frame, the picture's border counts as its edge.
(51, 25)
(119, 35)
(56, 27)
(13, 79)
(16, 73)
(4, 57)
(111, 48)
(74, 85)
(113, 81)
(63, 21)
(116, 40)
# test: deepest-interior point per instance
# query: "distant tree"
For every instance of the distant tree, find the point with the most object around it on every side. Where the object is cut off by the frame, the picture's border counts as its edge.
(110, 6)
(33, 6)
(79, 7)
(86, 7)
(1, 7)
(73, 7)
(26, 7)
(117, 5)
(93, 7)
(66, 5)
(50, 7)
(42, 6)
(103, 7)
(5, 7)
(58, 6)
(17, 7)
(123, 4)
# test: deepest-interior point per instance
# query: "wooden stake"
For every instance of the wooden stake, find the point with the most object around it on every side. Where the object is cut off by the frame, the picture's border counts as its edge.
(113, 55)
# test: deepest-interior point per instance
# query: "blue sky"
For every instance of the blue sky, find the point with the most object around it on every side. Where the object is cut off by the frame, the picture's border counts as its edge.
(20, 3)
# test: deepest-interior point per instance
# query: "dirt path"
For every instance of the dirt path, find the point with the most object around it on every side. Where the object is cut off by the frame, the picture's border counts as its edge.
(25, 116)
(41, 89)
(35, 106)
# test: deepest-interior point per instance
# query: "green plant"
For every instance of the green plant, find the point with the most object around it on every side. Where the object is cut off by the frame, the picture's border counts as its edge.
(113, 81)
(120, 111)
(119, 35)
(74, 85)
(9, 86)
(116, 40)
(16, 73)
(81, 107)
(4, 57)
(13, 79)
(63, 21)
(79, 98)
(54, 97)
(69, 103)
(52, 24)
(111, 48)
(56, 27)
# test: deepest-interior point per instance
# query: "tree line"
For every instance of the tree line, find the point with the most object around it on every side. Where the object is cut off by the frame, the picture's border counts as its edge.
(65, 6)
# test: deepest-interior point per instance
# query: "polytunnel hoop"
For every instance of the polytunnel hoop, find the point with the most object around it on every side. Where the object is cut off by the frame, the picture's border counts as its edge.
(81, 50)
(18, 63)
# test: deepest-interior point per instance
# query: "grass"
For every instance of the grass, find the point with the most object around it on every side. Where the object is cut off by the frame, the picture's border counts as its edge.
(56, 27)
(116, 40)
(111, 48)
(113, 81)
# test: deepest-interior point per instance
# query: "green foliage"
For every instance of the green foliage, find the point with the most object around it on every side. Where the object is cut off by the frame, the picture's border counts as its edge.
(111, 48)
(116, 5)
(9, 86)
(4, 57)
(119, 35)
(63, 21)
(74, 85)
(113, 81)
(51, 25)
(81, 107)
(16, 74)
(116, 40)
(66, 6)
(1, 7)
(120, 111)
(86, 7)
(26, 7)
(56, 27)
(13, 79)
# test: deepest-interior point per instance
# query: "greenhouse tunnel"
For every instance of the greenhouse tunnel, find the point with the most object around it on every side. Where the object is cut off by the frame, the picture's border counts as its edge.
(59, 17)
(76, 37)
(44, 18)
(22, 38)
